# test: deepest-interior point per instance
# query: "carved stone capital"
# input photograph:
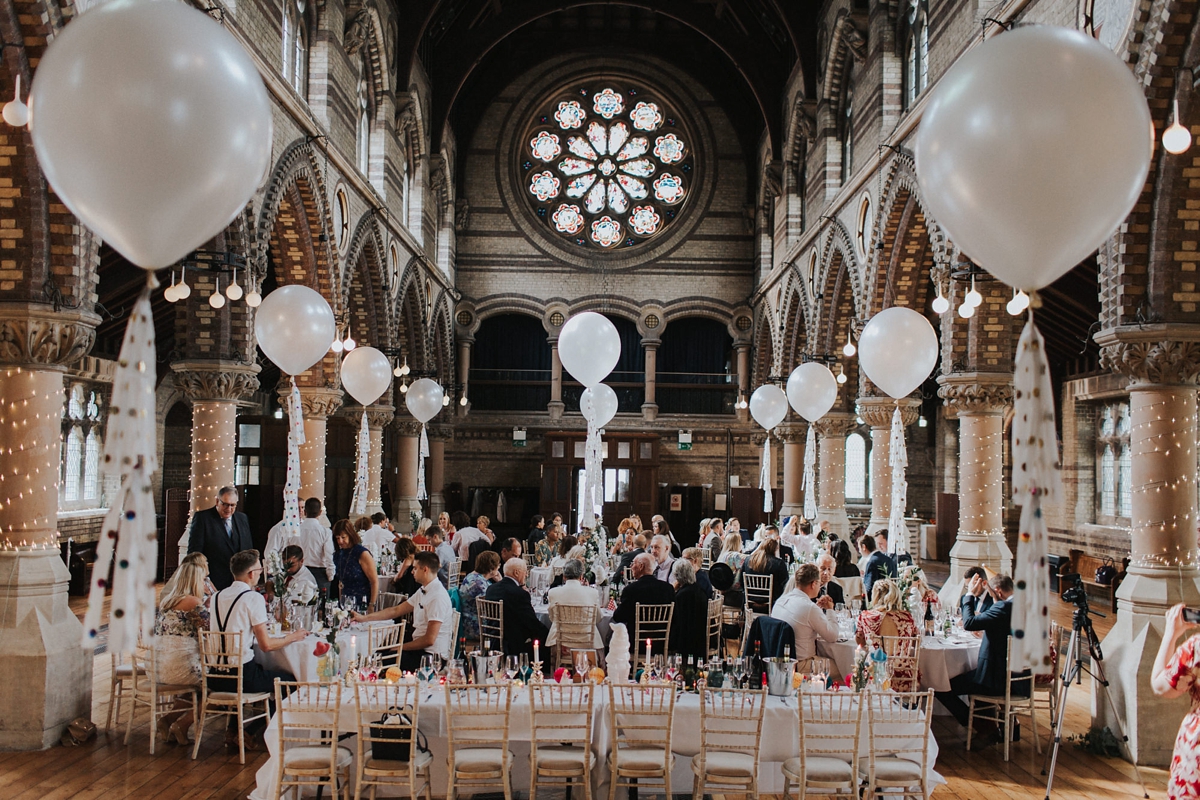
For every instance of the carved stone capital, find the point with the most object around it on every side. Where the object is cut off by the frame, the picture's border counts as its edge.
(357, 28)
(976, 392)
(35, 335)
(1152, 354)
(407, 426)
(380, 416)
(215, 380)
(792, 432)
(835, 424)
(315, 401)
(877, 411)
(443, 432)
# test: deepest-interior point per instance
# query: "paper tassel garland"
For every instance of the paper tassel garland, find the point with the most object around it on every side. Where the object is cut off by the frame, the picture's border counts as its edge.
(810, 474)
(764, 476)
(358, 504)
(593, 468)
(422, 454)
(291, 488)
(898, 460)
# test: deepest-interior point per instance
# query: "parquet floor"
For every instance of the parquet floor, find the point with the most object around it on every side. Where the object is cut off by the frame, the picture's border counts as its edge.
(106, 768)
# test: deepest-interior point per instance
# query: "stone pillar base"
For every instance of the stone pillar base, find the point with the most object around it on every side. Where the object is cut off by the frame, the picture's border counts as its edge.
(556, 408)
(839, 521)
(791, 510)
(1150, 722)
(974, 550)
(649, 411)
(876, 525)
(402, 516)
(437, 504)
(48, 672)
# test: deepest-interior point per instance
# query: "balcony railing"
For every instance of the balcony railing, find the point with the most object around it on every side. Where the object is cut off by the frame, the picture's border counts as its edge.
(676, 392)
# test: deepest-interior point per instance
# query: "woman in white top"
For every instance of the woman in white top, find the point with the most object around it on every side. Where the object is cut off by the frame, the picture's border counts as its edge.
(797, 608)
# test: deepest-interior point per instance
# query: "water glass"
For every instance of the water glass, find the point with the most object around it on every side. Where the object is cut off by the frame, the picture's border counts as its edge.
(455, 673)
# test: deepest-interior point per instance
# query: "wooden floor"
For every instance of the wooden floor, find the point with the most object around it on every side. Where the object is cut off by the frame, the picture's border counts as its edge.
(107, 769)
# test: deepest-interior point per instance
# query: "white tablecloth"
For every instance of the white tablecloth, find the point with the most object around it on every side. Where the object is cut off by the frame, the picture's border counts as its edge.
(941, 659)
(604, 623)
(298, 659)
(780, 741)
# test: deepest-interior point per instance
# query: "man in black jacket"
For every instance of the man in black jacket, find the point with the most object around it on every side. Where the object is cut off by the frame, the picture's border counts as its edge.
(645, 589)
(639, 547)
(830, 593)
(521, 625)
(218, 533)
(877, 567)
(990, 675)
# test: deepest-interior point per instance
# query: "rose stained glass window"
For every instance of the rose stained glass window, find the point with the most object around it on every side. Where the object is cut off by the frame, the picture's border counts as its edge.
(606, 166)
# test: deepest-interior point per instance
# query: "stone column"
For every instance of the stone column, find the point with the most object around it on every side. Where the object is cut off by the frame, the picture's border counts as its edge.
(556, 405)
(48, 676)
(464, 374)
(214, 388)
(979, 399)
(793, 436)
(437, 472)
(831, 471)
(319, 404)
(1162, 363)
(409, 451)
(650, 407)
(378, 418)
(743, 377)
(877, 412)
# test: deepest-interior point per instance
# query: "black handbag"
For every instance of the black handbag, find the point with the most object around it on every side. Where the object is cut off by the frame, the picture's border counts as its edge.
(1106, 573)
(399, 741)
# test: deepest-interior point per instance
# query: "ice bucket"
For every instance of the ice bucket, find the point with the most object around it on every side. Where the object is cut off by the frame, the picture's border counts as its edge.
(779, 676)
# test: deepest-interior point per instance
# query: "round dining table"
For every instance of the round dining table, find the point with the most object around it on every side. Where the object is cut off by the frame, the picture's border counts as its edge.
(941, 658)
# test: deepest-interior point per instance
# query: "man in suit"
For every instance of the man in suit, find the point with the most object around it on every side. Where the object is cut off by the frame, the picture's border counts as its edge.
(639, 547)
(645, 589)
(521, 625)
(573, 593)
(660, 550)
(881, 540)
(830, 592)
(218, 533)
(985, 601)
(992, 672)
(876, 565)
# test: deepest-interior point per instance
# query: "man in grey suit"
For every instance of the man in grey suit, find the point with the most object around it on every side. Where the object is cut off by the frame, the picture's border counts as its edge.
(218, 533)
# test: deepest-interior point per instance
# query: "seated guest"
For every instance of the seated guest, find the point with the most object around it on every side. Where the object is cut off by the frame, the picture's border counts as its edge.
(509, 548)
(405, 582)
(355, 576)
(985, 600)
(380, 534)
(573, 592)
(239, 609)
(696, 556)
(846, 568)
(565, 545)
(661, 528)
(300, 582)
(181, 614)
(521, 625)
(432, 612)
(732, 556)
(764, 561)
(992, 671)
(644, 589)
(421, 534)
(466, 535)
(639, 547)
(660, 550)
(881, 540)
(808, 621)
(689, 623)
(445, 553)
(887, 617)
(782, 550)
(875, 565)
(537, 532)
(542, 553)
(486, 572)
(829, 592)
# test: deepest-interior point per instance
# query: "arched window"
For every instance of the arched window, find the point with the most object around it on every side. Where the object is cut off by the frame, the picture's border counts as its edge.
(364, 121)
(295, 46)
(91, 467)
(847, 126)
(1114, 465)
(916, 52)
(857, 487)
(72, 461)
(81, 486)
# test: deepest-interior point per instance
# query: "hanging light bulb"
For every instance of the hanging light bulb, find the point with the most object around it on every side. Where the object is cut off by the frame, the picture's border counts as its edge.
(169, 293)
(849, 349)
(404, 368)
(841, 376)
(279, 413)
(182, 290)
(1176, 139)
(463, 401)
(974, 297)
(336, 345)
(966, 310)
(216, 299)
(940, 304)
(254, 296)
(233, 291)
(349, 344)
(1019, 302)
(445, 400)
(15, 112)
(396, 371)
(404, 388)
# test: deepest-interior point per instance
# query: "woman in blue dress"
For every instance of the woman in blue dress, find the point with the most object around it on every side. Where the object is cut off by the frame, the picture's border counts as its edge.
(356, 576)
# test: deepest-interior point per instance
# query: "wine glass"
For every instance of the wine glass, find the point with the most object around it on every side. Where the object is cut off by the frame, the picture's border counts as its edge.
(526, 671)
(512, 666)
(455, 672)
(426, 671)
(740, 671)
(672, 668)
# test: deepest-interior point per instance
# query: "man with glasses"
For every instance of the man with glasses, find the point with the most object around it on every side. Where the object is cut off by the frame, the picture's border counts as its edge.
(218, 533)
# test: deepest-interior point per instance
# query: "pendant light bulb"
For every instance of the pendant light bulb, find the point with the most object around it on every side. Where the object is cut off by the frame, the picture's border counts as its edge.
(849, 349)
(966, 310)
(182, 290)
(841, 376)
(253, 297)
(445, 400)
(1019, 302)
(233, 291)
(974, 297)
(216, 299)
(1176, 139)
(336, 346)
(404, 368)
(940, 304)
(396, 371)
(15, 112)
(463, 401)
(169, 293)
(404, 388)
(349, 344)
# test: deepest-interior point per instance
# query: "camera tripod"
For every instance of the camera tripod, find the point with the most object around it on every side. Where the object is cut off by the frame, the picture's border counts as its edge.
(1072, 671)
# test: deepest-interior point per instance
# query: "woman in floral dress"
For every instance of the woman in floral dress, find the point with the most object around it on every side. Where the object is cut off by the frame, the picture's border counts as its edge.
(1175, 673)
(181, 613)
(888, 617)
(486, 572)
(546, 548)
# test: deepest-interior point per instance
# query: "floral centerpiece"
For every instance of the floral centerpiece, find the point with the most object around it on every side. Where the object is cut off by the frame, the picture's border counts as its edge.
(864, 670)
(914, 590)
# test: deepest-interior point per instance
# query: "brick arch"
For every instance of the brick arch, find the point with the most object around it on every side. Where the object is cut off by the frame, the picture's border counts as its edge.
(363, 295)
(838, 307)
(794, 337)
(410, 324)
(296, 224)
(442, 344)
(765, 363)
(837, 60)
(837, 265)
(912, 243)
(510, 303)
(609, 306)
(375, 45)
(696, 307)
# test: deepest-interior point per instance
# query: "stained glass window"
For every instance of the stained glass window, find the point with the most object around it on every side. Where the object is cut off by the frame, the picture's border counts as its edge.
(606, 165)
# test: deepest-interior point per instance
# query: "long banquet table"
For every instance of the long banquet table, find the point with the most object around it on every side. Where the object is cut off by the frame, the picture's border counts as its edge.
(779, 741)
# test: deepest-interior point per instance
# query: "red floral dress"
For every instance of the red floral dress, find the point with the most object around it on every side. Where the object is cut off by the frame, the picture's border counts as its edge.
(905, 677)
(1185, 762)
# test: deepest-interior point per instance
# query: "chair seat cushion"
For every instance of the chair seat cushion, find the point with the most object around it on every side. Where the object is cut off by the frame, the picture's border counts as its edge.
(420, 760)
(725, 764)
(892, 771)
(560, 757)
(315, 757)
(231, 698)
(640, 758)
(480, 759)
(823, 769)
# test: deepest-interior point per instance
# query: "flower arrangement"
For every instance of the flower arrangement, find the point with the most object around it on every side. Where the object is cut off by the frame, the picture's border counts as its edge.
(913, 578)
(415, 519)
(863, 672)
(337, 617)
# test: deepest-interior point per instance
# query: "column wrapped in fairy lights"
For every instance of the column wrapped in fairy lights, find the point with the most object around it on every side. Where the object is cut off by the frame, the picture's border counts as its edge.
(898, 461)
(1036, 478)
(358, 505)
(810, 474)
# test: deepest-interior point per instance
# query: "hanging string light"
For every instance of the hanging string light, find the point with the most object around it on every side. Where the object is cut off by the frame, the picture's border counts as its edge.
(254, 296)
(1018, 304)
(233, 291)
(16, 113)
(849, 349)
(940, 304)
(216, 299)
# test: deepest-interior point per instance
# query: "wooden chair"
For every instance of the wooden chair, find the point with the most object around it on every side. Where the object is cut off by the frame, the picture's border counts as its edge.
(730, 736)
(757, 590)
(308, 713)
(830, 731)
(896, 722)
(491, 622)
(477, 720)
(716, 613)
(386, 640)
(455, 621)
(389, 600)
(221, 657)
(453, 570)
(1003, 709)
(574, 629)
(640, 718)
(425, 548)
(121, 683)
(560, 740)
(1046, 686)
(146, 690)
(375, 704)
(652, 622)
(904, 658)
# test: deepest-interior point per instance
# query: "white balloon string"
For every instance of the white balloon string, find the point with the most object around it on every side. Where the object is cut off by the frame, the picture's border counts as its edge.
(422, 452)
(358, 505)
(898, 461)
(810, 473)
(764, 476)
(1036, 477)
(129, 540)
(291, 487)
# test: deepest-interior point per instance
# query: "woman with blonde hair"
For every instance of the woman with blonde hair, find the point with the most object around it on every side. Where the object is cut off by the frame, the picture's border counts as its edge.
(887, 616)
(181, 614)
(419, 535)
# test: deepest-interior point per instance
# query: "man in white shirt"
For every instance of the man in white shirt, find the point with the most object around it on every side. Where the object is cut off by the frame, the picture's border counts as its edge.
(466, 535)
(660, 551)
(445, 552)
(239, 609)
(317, 542)
(808, 621)
(573, 593)
(380, 535)
(432, 612)
(301, 585)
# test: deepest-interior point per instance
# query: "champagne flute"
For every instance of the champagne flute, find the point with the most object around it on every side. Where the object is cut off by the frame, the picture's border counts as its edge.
(426, 671)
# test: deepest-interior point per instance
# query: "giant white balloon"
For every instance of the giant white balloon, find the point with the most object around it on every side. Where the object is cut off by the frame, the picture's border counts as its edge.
(424, 399)
(598, 404)
(366, 374)
(152, 124)
(1034, 147)
(768, 405)
(812, 390)
(589, 347)
(294, 327)
(898, 350)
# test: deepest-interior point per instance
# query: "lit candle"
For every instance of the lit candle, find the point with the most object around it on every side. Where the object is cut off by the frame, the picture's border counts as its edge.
(647, 652)
(536, 651)
(353, 647)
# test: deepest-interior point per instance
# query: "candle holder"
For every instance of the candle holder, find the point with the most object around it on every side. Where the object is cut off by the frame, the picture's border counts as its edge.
(537, 676)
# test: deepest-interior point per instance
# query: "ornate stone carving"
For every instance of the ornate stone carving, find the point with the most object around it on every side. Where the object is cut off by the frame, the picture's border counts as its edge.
(407, 427)
(1156, 354)
(318, 402)
(856, 40)
(806, 123)
(792, 432)
(877, 411)
(357, 28)
(462, 215)
(406, 115)
(35, 335)
(380, 416)
(976, 392)
(835, 424)
(213, 381)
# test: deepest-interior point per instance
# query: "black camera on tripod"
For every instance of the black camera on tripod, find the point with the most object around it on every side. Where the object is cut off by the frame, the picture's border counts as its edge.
(1077, 594)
